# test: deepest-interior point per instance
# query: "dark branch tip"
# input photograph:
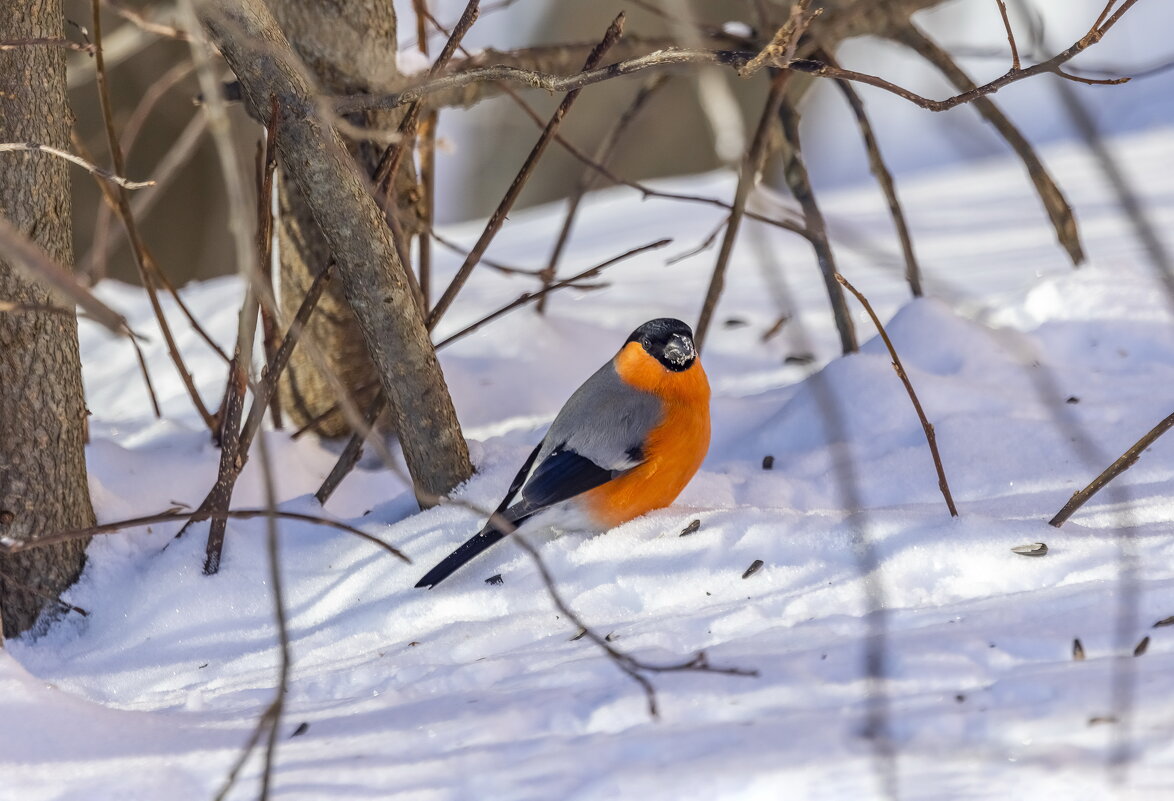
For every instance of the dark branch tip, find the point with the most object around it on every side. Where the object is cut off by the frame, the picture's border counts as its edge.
(806, 65)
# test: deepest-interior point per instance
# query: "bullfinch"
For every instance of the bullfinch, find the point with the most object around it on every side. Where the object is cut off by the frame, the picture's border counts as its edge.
(626, 442)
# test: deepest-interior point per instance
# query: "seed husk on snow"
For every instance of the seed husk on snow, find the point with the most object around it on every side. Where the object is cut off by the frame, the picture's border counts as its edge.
(1077, 650)
(754, 567)
(1031, 549)
(691, 528)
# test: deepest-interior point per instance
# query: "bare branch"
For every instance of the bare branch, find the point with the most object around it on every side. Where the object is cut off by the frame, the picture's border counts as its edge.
(1123, 463)
(659, 59)
(373, 277)
(503, 208)
(885, 179)
(530, 297)
(926, 425)
(602, 155)
(120, 202)
(13, 44)
(799, 182)
(747, 178)
(781, 49)
(36, 266)
(106, 175)
(12, 545)
(1010, 34)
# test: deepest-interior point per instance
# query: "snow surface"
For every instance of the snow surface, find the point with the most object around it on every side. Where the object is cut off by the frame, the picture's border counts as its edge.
(1034, 375)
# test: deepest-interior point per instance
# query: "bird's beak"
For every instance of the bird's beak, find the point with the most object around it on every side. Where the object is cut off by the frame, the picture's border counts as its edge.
(679, 350)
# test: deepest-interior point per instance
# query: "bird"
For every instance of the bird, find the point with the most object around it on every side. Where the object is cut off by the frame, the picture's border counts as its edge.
(626, 442)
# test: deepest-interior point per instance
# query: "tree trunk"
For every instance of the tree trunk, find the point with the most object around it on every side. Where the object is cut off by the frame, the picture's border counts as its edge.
(42, 409)
(373, 277)
(350, 46)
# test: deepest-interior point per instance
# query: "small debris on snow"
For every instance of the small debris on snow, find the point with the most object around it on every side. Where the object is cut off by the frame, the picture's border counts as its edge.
(768, 462)
(1072, 399)
(582, 633)
(799, 358)
(691, 528)
(1099, 719)
(1033, 549)
(1077, 650)
(1142, 646)
(736, 322)
(1166, 621)
(754, 567)
(495, 579)
(302, 728)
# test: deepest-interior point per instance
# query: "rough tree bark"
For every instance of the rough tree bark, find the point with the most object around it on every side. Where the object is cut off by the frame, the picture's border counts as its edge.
(350, 46)
(373, 278)
(42, 409)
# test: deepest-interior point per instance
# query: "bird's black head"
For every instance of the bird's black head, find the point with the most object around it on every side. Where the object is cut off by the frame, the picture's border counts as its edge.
(668, 341)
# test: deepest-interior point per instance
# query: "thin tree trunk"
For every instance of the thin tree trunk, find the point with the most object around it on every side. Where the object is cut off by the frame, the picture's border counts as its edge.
(42, 408)
(374, 279)
(350, 46)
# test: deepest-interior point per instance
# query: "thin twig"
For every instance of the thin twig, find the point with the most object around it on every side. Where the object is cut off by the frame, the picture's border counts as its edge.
(498, 218)
(522, 300)
(1094, 35)
(144, 24)
(671, 57)
(148, 261)
(530, 297)
(644, 190)
(12, 545)
(36, 266)
(1123, 463)
(660, 59)
(588, 175)
(1057, 207)
(45, 594)
(351, 452)
(926, 425)
(747, 178)
(1010, 34)
(462, 251)
(426, 155)
(276, 584)
(105, 175)
(705, 245)
(885, 179)
(799, 182)
(45, 41)
(220, 494)
(102, 244)
(266, 166)
(118, 198)
(635, 668)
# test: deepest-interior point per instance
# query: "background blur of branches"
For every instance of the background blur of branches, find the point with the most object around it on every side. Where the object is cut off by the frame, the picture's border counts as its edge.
(188, 213)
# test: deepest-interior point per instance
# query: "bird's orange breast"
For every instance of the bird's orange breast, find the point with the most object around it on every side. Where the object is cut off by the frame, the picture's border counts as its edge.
(674, 449)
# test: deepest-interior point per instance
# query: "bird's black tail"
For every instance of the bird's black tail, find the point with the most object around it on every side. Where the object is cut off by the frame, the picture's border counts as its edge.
(449, 565)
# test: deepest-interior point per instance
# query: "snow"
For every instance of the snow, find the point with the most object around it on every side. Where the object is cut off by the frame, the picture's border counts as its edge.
(1034, 375)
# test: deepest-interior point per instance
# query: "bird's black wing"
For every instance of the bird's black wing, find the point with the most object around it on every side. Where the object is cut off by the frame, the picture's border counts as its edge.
(561, 476)
(519, 480)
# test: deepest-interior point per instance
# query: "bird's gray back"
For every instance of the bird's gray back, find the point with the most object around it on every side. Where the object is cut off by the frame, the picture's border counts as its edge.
(606, 420)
